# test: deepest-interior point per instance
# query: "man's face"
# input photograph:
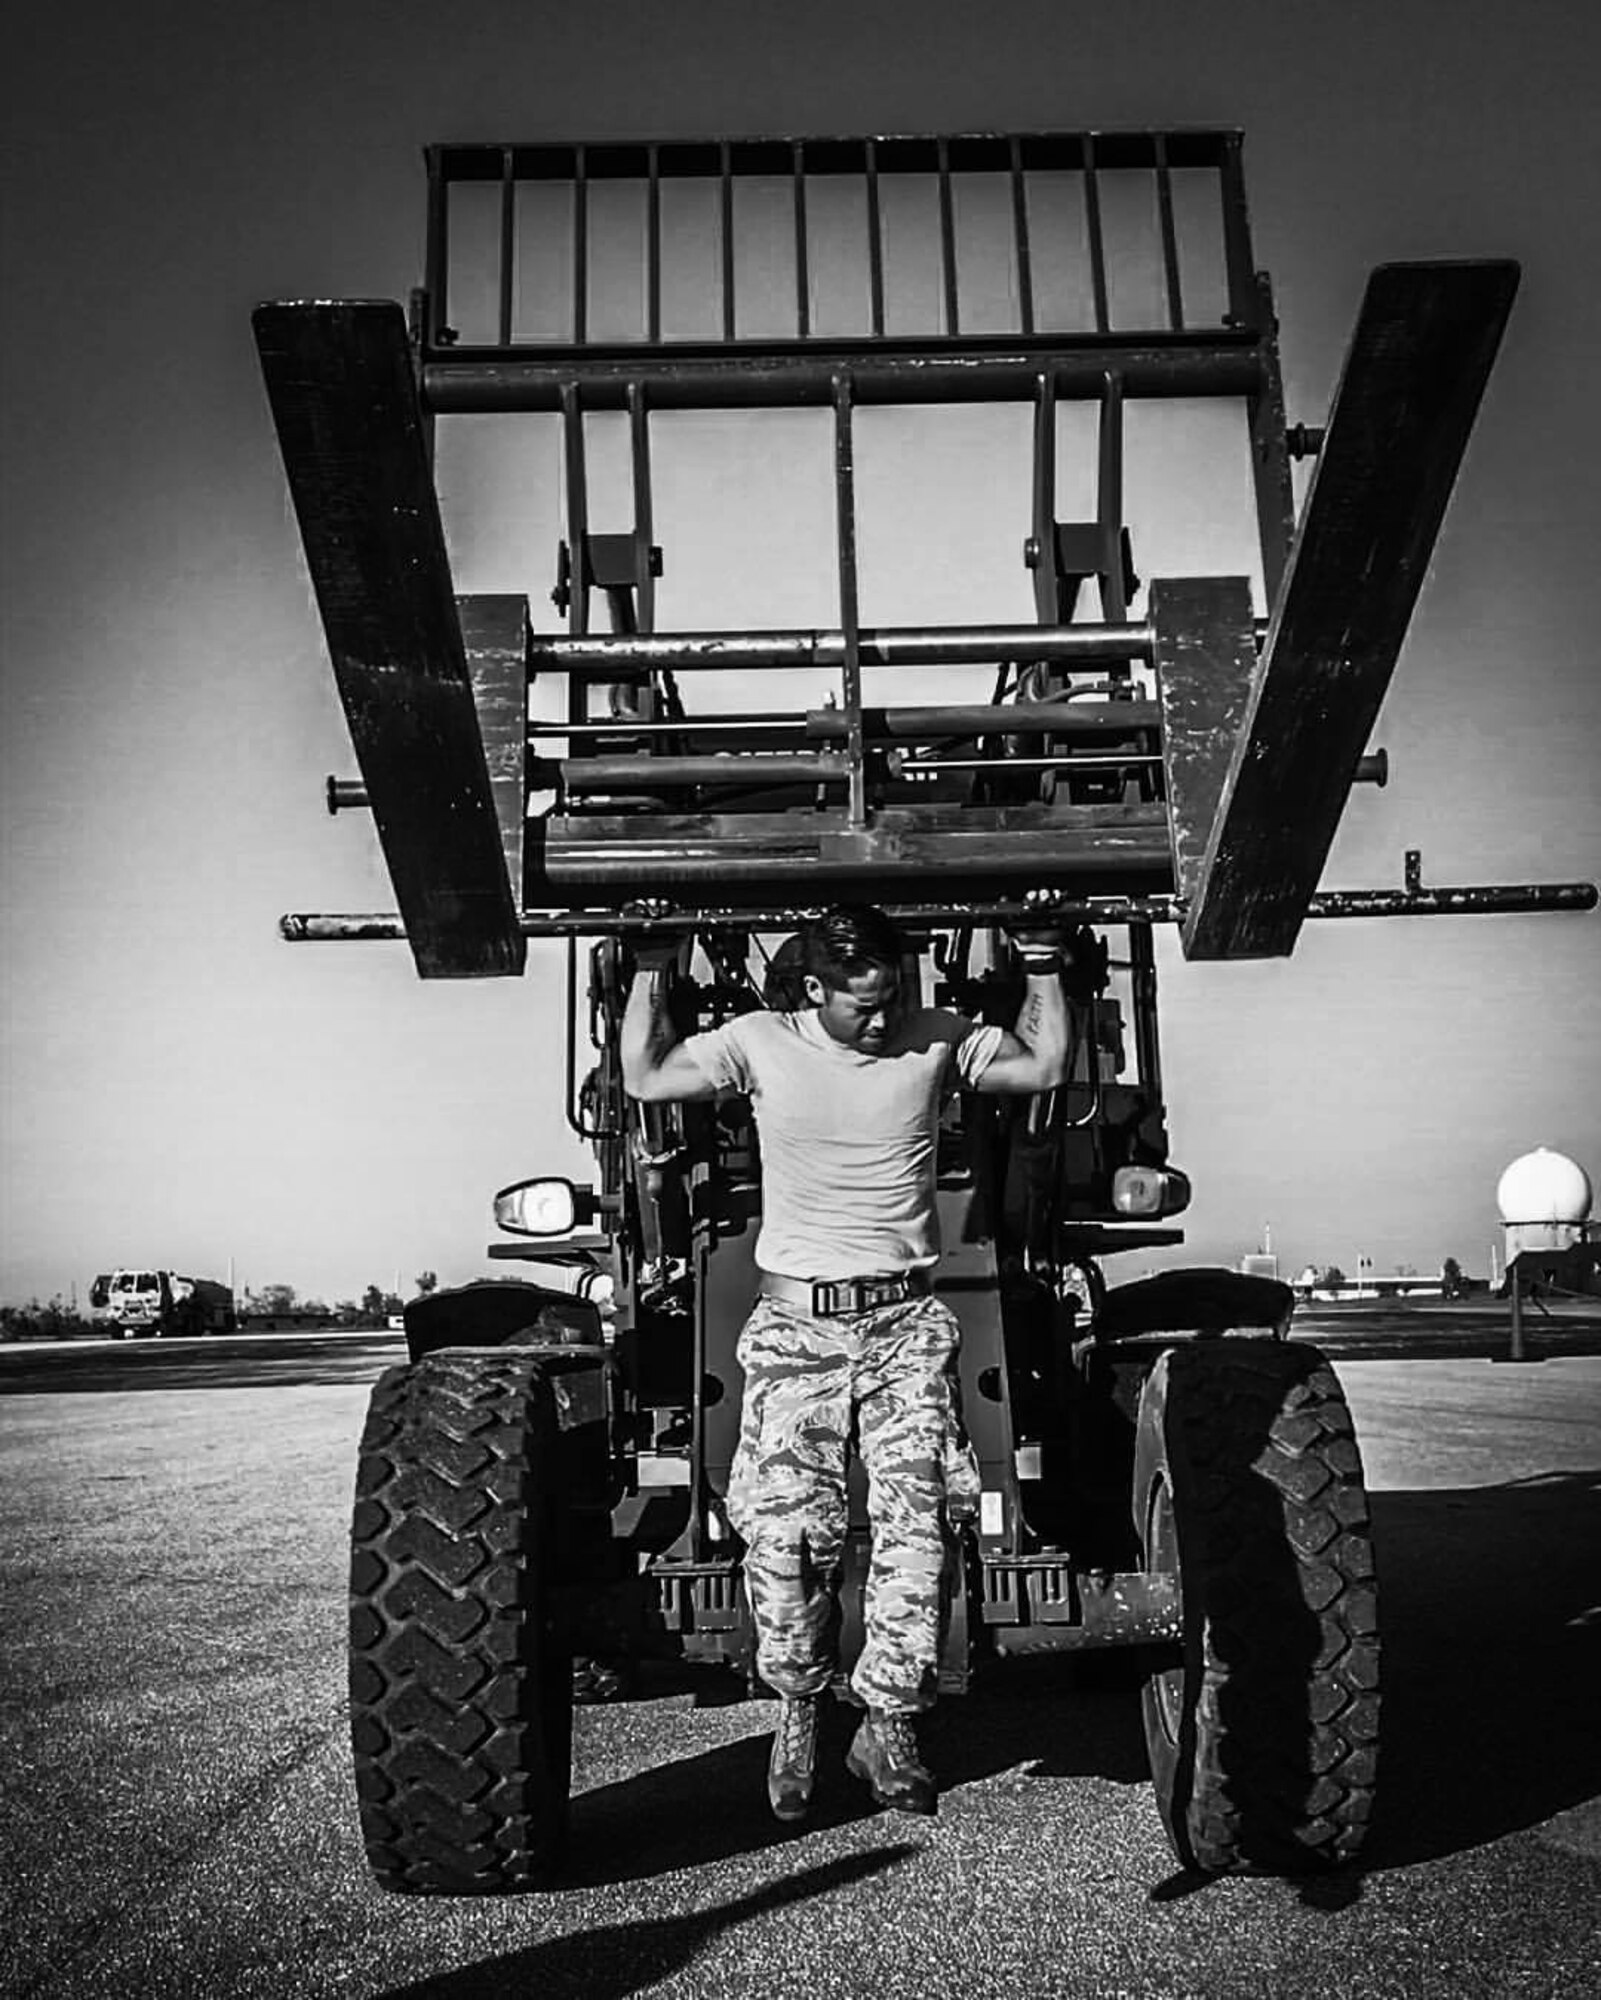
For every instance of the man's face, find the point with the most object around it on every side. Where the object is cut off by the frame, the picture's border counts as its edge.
(862, 1013)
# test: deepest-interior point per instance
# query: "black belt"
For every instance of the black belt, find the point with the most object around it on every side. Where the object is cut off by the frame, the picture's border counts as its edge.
(830, 1297)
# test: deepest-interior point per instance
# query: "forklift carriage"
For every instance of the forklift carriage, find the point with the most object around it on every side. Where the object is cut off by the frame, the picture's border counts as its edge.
(1162, 1470)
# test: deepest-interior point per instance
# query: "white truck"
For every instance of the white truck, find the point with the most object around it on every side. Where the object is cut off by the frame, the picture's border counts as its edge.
(137, 1302)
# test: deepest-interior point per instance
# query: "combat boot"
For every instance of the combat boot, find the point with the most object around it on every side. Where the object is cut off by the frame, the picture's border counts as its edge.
(794, 1759)
(885, 1753)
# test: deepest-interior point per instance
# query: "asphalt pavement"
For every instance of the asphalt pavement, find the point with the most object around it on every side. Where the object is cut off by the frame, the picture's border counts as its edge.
(178, 1814)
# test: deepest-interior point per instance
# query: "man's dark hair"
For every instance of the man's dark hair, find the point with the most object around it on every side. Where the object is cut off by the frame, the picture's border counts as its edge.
(848, 940)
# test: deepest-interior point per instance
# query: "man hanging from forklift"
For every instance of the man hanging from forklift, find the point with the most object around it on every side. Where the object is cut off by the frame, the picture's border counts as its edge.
(845, 1329)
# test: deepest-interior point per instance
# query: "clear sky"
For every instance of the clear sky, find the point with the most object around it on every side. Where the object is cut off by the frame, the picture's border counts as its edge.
(182, 1088)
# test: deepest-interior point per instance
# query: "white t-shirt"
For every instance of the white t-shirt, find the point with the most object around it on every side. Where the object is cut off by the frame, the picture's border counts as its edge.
(848, 1139)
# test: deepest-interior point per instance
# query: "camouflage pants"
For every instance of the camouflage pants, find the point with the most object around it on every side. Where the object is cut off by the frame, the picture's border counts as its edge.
(891, 1370)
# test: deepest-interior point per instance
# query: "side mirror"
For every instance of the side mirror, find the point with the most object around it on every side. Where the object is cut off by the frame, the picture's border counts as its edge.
(549, 1206)
(1150, 1191)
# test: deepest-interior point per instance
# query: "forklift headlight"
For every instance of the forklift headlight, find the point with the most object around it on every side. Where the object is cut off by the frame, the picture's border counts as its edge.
(1150, 1191)
(547, 1207)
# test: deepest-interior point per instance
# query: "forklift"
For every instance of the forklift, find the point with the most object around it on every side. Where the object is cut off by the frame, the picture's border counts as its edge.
(1164, 1471)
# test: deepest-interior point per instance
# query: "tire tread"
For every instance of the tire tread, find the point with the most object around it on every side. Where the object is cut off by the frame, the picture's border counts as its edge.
(460, 1711)
(1277, 1559)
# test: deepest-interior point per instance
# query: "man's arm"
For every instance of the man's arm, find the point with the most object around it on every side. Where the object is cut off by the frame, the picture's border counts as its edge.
(1034, 1055)
(657, 1069)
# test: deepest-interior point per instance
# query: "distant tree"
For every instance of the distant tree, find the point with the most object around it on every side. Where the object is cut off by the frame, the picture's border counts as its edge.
(21, 1322)
(1406, 1270)
(426, 1282)
(372, 1302)
(1332, 1276)
(56, 1321)
(273, 1299)
(1452, 1282)
(65, 1320)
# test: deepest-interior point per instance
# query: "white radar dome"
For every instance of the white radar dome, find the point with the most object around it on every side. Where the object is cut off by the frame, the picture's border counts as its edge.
(1544, 1187)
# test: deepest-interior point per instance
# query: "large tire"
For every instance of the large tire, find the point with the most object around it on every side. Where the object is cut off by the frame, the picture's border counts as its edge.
(1263, 1736)
(460, 1689)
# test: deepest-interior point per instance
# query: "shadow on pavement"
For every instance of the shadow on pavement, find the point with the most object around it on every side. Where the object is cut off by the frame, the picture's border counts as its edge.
(1490, 1612)
(656, 1821)
(1490, 1622)
(623, 1959)
(1049, 1717)
(1478, 1329)
(262, 1361)
(1027, 1716)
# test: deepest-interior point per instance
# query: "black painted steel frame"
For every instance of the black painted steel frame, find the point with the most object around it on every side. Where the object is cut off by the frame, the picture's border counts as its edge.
(1501, 899)
(1110, 864)
(1038, 361)
(512, 372)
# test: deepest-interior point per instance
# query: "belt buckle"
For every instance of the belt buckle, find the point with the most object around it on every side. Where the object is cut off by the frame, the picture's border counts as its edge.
(833, 1296)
